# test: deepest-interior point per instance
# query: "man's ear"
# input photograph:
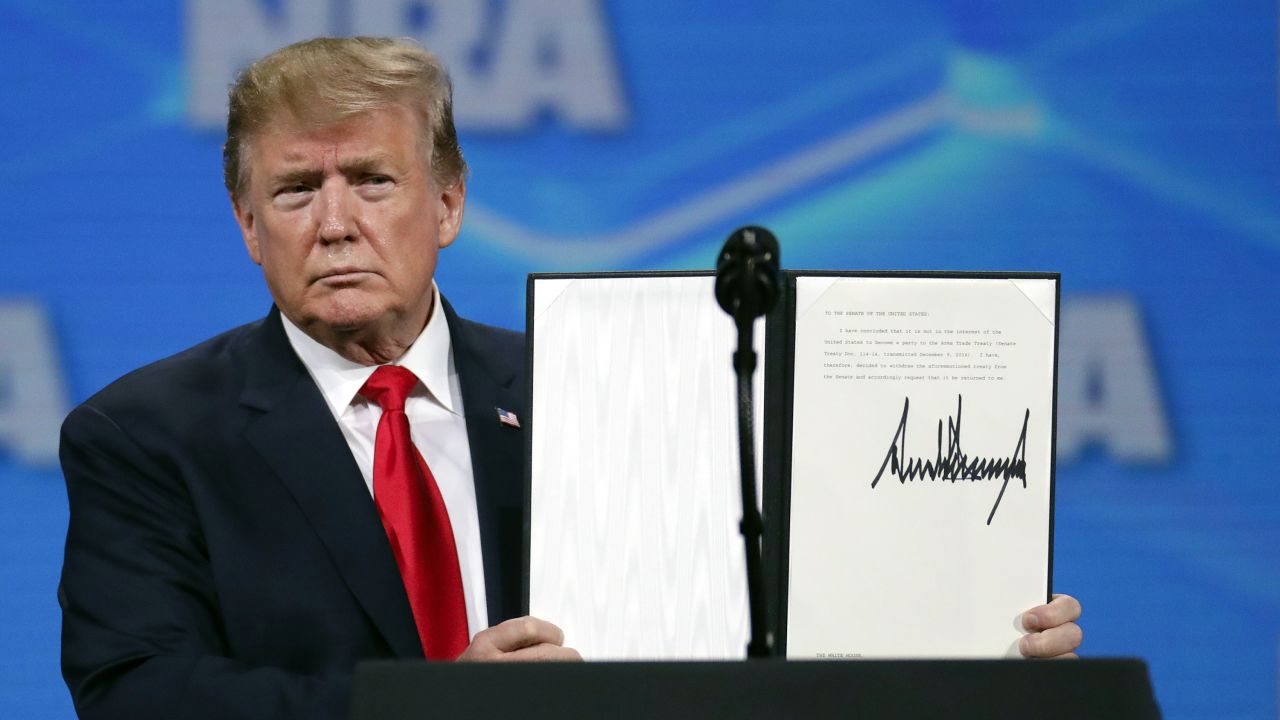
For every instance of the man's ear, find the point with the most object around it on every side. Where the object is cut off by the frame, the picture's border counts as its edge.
(453, 200)
(248, 230)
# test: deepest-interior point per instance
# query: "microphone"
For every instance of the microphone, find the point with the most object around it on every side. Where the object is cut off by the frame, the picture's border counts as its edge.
(747, 273)
(747, 287)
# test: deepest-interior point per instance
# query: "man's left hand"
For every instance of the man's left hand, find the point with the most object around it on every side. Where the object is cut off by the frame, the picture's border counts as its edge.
(1052, 629)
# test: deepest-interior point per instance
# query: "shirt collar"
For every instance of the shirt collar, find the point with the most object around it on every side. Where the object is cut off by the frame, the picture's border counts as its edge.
(430, 357)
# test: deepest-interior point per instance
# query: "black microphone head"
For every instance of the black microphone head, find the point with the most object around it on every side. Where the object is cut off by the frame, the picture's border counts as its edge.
(747, 272)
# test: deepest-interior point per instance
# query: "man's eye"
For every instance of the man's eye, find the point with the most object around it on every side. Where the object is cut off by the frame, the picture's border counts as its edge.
(292, 190)
(377, 180)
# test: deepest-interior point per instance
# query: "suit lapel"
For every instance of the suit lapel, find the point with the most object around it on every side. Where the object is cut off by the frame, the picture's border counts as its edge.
(489, 373)
(296, 435)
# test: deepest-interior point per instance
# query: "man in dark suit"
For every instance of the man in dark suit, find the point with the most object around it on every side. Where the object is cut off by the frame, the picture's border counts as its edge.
(247, 517)
(224, 558)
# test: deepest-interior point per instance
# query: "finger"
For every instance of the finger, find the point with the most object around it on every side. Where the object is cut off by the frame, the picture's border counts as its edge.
(1065, 638)
(543, 652)
(1063, 609)
(523, 632)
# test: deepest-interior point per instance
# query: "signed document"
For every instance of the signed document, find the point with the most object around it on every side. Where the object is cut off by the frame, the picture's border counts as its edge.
(633, 544)
(921, 467)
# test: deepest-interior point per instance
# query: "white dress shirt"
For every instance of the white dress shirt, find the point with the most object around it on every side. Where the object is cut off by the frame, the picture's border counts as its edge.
(436, 423)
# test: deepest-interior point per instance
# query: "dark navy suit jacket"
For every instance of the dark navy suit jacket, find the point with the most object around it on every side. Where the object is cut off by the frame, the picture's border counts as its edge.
(224, 558)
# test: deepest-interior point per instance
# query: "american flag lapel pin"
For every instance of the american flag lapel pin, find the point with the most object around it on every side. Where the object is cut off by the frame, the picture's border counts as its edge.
(508, 418)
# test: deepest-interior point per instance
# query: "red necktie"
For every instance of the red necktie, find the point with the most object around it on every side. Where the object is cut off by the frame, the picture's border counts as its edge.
(416, 521)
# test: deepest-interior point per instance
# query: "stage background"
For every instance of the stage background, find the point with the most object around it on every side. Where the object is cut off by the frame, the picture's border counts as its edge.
(1130, 145)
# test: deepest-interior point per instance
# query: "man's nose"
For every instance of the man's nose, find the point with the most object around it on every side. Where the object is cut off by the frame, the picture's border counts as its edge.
(336, 213)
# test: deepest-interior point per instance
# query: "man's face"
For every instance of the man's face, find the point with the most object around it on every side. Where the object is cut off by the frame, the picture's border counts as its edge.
(347, 221)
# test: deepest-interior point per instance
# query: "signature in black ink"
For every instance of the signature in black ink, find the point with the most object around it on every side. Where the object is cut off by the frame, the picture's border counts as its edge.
(956, 464)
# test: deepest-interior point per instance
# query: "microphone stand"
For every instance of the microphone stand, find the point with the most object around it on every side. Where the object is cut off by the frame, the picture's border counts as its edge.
(744, 363)
(747, 287)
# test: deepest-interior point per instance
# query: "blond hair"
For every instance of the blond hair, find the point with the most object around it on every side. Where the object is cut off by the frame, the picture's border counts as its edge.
(324, 80)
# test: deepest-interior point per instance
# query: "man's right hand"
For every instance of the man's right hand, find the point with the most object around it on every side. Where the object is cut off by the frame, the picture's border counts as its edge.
(525, 639)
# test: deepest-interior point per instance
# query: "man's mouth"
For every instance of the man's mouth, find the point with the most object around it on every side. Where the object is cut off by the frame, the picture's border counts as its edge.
(343, 275)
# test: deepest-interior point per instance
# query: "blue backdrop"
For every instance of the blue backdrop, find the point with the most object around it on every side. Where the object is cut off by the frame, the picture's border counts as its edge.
(1132, 145)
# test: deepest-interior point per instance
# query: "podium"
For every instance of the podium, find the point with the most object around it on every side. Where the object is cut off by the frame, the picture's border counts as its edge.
(773, 689)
